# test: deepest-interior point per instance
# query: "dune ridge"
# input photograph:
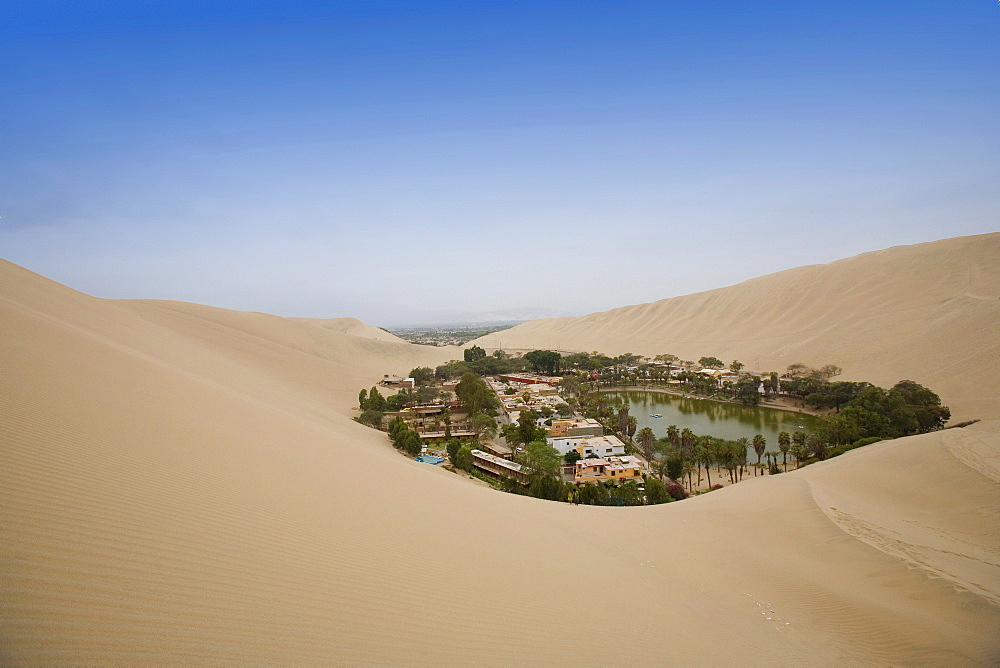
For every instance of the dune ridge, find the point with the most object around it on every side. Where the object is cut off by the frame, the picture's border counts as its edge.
(183, 484)
(927, 312)
(351, 326)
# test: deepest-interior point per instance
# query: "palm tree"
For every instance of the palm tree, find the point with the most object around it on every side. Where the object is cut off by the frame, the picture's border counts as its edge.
(743, 442)
(703, 456)
(646, 438)
(622, 417)
(759, 445)
(734, 455)
(686, 470)
(632, 424)
(799, 450)
(784, 443)
(687, 442)
(708, 458)
(674, 435)
(817, 445)
(662, 467)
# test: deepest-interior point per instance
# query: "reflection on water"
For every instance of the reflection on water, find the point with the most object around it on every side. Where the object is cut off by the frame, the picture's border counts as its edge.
(712, 418)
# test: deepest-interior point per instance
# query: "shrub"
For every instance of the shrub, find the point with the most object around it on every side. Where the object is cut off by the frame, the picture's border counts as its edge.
(371, 418)
(410, 443)
(656, 492)
(453, 447)
(463, 458)
(677, 492)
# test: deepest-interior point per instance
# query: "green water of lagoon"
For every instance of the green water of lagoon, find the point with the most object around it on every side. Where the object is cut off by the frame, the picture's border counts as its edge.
(713, 418)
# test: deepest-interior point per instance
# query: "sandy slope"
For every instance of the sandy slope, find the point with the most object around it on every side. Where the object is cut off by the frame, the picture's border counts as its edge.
(929, 313)
(183, 484)
(351, 326)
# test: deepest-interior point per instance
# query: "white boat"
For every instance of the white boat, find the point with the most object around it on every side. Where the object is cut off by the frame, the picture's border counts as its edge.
(655, 415)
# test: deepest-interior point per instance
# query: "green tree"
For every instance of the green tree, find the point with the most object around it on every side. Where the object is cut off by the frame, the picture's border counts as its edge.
(453, 446)
(735, 366)
(784, 444)
(924, 404)
(528, 429)
(541, 458)
(475, 395)
(410, 443)
(422, 375)
(426, 394)
(759, 446)
(799, 449)
(816, 444)
(622, 417)
(743, 443)
(688, 439)
(656, 492)
(463, 458)
(675, 467)
(547, 487)
(746, 391)
(396, 401)
(646, 439)
(674, 435)
(363, 399)
(626, 494)
(450, 370)
(396, 428)
(711, 363)
(376, 401)
(704, 456)
(474, 353)
(484, 426)
(371, 418)
(544, 361)
(593, 494)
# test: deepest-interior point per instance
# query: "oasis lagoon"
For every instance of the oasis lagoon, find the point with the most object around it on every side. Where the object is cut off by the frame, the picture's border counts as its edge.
(712, 418)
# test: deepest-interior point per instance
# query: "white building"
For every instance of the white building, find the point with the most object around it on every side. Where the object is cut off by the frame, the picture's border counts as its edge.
(601, 446)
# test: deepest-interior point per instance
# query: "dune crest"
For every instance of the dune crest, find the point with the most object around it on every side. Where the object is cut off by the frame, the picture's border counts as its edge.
(182, 484)
(928, 312)
(351, 326)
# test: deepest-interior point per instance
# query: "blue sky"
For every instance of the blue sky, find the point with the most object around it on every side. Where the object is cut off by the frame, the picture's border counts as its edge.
(397, 161)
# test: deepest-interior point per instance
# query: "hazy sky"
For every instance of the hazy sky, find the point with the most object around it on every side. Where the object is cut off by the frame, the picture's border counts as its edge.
(395, 160)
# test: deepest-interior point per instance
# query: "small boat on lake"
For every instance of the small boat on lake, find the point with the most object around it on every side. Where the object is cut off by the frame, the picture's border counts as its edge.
(655, 415)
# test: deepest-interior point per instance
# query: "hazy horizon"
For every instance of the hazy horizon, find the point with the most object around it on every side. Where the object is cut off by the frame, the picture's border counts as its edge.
(394, 163)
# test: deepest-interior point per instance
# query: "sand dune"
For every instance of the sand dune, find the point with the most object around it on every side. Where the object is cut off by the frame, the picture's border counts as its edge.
(183, 484)
(351, 326)
(929, 313)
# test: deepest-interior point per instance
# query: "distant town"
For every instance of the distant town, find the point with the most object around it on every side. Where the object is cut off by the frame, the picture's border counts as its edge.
(448, 335)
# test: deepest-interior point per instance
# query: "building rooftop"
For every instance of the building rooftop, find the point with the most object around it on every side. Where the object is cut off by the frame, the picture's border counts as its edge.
(499, 461)
(592, 441)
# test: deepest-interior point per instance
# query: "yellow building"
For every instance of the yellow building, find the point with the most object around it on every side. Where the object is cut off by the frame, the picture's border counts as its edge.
(609, 468)
(571, 427)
